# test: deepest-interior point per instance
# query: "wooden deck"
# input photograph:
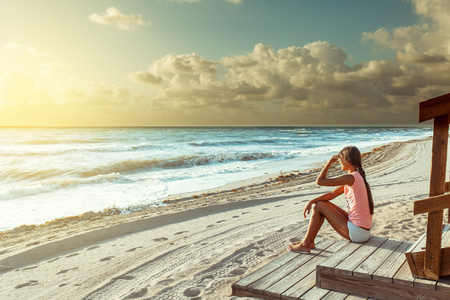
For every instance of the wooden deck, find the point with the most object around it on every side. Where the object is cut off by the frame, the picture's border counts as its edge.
(342, 270)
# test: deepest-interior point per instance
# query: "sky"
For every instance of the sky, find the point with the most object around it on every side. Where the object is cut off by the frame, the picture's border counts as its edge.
(221, 62)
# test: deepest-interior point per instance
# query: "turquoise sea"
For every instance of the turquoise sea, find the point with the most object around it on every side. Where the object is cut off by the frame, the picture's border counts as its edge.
(49, 173)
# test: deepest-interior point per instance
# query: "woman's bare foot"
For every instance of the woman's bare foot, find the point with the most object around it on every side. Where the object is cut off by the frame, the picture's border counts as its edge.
(299, 247)
(312, 245)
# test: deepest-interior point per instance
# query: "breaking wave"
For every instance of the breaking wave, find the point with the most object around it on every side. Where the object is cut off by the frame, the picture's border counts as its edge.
(183, 161)
(53, 184)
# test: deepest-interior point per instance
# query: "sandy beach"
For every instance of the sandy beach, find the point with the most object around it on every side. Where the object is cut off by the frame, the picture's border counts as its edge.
(196, 246)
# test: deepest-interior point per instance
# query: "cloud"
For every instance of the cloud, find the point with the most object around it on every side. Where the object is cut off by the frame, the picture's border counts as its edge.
(18, 89)
(427, 42)
(113, 16)
(235, 1)
(195, 1)
(316, 79)
(31, 50)
(181, 1)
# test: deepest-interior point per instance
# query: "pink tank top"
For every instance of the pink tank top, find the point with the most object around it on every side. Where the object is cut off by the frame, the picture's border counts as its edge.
(358, 202)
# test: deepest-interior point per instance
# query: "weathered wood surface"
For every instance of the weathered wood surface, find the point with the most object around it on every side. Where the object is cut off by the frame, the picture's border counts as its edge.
(434, 203)
(383, 273)
(416, 256)
(343, 270)
(289, 276)
(437, 187)
(434, 108)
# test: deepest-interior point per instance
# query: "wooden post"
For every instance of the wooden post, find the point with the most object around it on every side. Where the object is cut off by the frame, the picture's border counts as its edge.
(437, 187)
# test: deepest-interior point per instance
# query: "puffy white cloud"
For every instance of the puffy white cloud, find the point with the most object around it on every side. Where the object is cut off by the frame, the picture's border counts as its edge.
(113, 16)
(423, 43)
(310, 80)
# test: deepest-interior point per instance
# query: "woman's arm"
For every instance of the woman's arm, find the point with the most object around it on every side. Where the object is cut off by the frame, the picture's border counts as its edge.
(324, 197)
(338, 181)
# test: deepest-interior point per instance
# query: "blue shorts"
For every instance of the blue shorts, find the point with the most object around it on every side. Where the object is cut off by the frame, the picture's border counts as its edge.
(357, 234)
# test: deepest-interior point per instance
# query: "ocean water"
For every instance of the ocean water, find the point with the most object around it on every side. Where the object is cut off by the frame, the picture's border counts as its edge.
(49, 173)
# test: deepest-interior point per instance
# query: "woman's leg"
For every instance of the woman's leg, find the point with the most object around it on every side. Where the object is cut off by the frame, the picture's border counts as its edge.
(322, 210)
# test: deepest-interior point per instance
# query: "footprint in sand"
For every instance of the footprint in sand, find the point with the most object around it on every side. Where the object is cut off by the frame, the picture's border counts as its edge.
(29, 283)
(63, 284)
(239, 271)
(265, 209)
(139, 294)
(245, 212)
(72, 255)
(209, 226)
(124, 277)
(133, 249)
(181, 232)
(279, 205)
(162, 239)
(29, 268)
(235, 217)
(33, 244)
(260, 254)
(67, 270)
(55, 259)
(221, 221)
(165, 282)
(92, 248)
(192, 292)
(107, 258)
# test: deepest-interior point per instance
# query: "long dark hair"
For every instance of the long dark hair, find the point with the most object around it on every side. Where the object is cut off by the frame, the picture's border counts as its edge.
(352, 155)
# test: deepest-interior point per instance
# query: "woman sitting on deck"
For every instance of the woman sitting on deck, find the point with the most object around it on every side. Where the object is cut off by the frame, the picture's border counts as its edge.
(355, 224)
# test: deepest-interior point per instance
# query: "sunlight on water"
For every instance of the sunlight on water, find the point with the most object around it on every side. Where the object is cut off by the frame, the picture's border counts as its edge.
(56, 172)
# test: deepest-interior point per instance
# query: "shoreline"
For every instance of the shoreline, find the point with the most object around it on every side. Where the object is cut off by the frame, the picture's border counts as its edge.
(307, 175)
(196, 247)
(269, 179)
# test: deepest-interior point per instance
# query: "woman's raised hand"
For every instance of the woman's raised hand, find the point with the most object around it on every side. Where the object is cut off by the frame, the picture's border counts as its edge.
(334, 159)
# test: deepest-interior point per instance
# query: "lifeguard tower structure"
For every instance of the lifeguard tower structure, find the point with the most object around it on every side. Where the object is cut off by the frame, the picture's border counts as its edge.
(434, 260)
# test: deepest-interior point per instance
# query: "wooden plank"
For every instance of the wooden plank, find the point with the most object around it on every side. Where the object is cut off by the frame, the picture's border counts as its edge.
(374, 261)
(334, 295)
(294, 285)
(392, 264)
(439, 156)
(315, 293)
(303, 287)
(347, 266)
(403, 276)
(417, 246)
(260, 286)
(260, 273)
(437, 187)
(270, 267)
(435, 107)
(418, 257)
(240, 293)
(432, 262)
(447, 187)
(354, 297)
(434, 203)
(377, 289)
(443, 284)
(329, 264)
(426, 284)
